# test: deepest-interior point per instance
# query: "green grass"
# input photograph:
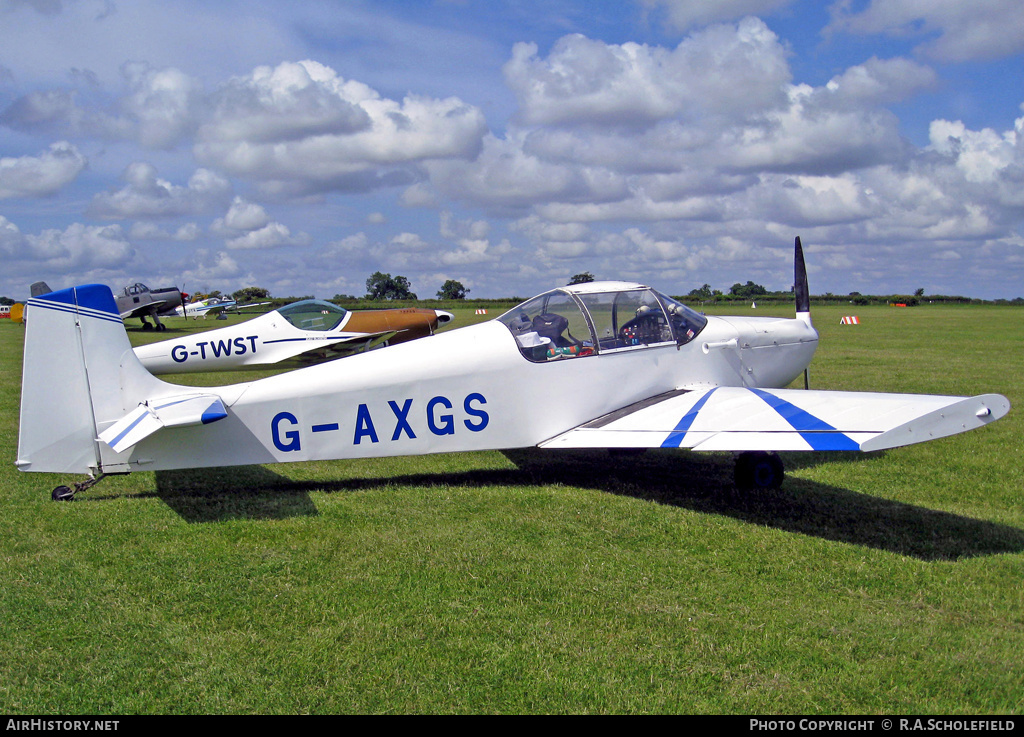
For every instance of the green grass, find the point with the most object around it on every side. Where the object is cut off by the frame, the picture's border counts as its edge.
(543, 582)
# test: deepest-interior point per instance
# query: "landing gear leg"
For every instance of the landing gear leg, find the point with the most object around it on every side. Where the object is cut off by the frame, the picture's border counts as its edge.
(67, 493)
(758, 470)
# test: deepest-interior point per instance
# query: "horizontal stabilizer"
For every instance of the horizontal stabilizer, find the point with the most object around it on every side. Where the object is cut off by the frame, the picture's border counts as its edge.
(741, 419)
(148, 417)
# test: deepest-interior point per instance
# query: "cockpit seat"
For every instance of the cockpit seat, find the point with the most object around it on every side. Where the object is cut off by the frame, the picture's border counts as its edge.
(551, 326)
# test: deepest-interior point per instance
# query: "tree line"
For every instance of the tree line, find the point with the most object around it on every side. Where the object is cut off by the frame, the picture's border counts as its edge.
(383, 287)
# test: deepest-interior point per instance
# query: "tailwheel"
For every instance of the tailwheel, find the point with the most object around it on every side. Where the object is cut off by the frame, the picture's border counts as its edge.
(759, 470)
(67, 493)
(63, 494)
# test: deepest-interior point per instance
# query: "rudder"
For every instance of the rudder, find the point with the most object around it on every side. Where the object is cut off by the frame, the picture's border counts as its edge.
(74, 381)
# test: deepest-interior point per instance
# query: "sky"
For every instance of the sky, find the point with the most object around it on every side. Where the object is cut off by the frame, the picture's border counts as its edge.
(510, 145)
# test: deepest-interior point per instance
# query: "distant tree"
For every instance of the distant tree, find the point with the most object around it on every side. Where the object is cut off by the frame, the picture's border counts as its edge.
(747, 290)
(919, 292)
(452, 289)
(249, 294)
(384, 286)
(6, 301)
(704, 293)
(585, 278)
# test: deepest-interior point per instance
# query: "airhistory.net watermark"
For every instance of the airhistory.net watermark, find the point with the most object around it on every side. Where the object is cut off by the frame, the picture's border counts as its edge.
(61, 725)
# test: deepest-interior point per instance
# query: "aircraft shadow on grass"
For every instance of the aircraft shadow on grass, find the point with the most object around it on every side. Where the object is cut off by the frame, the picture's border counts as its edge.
(699, 483)
(238, 492)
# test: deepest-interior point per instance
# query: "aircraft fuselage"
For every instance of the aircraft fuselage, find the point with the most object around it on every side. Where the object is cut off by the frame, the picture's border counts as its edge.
(468, 389)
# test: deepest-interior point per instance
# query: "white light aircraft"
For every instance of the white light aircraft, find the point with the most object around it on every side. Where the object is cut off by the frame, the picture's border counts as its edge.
(309, 331)
(598, 365)
(203, 307)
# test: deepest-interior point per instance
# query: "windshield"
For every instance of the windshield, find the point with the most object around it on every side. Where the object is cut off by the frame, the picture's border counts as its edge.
(313, 314)
(686, 323)
(627, 319)
(559, 325)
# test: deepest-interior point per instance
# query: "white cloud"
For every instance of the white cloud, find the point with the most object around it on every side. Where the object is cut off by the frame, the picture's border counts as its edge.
(355, 243)
(288, 103)
(686, 14)
(725, 70)
(452, 228)
(162, 104)
(301, 128)
(147, 231)
(271, 235)
(980, 155)
(248, 226)
(76, 249)
(39, 176)
(242, 216)
(158, 110)
(881, 82)
(811, 135)
(147, 195)
(12, 242)
(207, 266)
(709, 151)
(959, 31)
(630, 132)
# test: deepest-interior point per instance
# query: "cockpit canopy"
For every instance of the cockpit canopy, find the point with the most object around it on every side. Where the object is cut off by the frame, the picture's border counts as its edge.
(313, 314)
(601, 318)
(135, 289)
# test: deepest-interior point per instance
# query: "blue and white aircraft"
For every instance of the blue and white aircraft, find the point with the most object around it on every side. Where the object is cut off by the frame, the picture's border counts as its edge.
(598, 365)
(209, 306)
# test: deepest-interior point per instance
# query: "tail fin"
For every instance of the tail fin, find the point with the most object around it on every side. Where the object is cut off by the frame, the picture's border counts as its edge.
(800, 288)
(40, 288)
(78, 376)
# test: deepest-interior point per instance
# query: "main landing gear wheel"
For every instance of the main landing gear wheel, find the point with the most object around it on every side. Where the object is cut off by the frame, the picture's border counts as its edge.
(758, 470)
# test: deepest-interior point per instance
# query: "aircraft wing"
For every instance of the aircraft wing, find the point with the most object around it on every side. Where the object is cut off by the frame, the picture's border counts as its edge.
(286, 348)
(742, 419)
(143, 309)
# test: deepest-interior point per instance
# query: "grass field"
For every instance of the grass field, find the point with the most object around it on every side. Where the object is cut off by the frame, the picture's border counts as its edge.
(546, 582)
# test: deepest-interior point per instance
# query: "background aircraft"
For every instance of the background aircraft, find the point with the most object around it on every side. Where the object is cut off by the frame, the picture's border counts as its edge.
(138, 300)
(203, 307)
(311, 330)
(604, 364)
(218, 306)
